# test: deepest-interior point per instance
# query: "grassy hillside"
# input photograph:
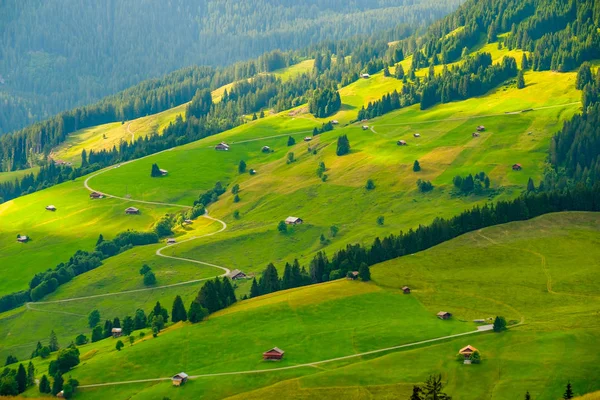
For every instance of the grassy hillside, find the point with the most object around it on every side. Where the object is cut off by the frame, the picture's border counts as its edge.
(504, 270)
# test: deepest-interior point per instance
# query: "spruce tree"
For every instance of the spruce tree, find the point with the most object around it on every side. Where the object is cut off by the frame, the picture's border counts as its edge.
(30, 374)
(53, 343)
(416, 166)
(127, 325)
(178, 312)
(11, 360)
(530, 185)
(291, 141)
(44, 385)
(100, 240)
(254, 289)
(433, 388)
(57, 385)
(269, 281)
(527, 396)
(399, 73)
(524, 62)
(242, 167)
(520, 80)
(155, 171)
(343, 145)
(116, 323)
(568, 391)
(228, 293)
(21, 378)
(364, 273)
(196, 312)
(416, 393)
(499, 324)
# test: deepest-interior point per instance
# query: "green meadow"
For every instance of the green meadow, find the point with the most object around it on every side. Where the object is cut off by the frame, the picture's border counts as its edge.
(503, 270)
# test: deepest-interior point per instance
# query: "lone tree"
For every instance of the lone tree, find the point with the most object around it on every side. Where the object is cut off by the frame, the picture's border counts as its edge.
(527, 396)
(119, 345)
(370, 184)
(416, 166)
(568, 392)
(499, 324)
(242, 167)
(520, 80)
(282, 227)
(380, 220)
(291, 141)
(343, 145)
(178, 312)
(155, 171)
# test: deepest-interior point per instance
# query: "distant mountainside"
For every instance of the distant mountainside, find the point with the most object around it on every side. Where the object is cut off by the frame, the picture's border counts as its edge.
(60, 54)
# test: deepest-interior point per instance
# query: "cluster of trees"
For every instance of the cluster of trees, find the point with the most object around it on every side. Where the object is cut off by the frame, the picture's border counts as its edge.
(48, 175)
(82, 261)
(324, 102)
(424, 186)
(16, 381)
(215, 295)
(343, 145)
(210, 196)
(470, 184)
(149, 277)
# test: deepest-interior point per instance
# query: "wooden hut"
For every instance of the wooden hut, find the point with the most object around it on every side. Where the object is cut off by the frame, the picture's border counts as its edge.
(22, 238)
(406, 290)
(293, 221)
(401, 142)
(50, 208)
(163, 172)
(236, 274)
(179, 379)
(480, 128)
(132, 210)
(266, 149)
(308, 138)
(275, 354)
(222, 147)
(416, 134)
(365, 127)
(335, 122)
(116, 332)
(171, 241)
(96, 195)
(444, 315)
(517, 167)
(475, 134)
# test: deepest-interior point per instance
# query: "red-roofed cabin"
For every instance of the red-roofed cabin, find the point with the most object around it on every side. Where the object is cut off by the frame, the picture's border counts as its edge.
(517, 167)
(274, 354)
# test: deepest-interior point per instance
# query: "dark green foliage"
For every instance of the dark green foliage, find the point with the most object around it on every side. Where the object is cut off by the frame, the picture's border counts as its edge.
(30, 374)
(57, 385)
(290, 157)
(584, 76)
(416, 166)
(210, 196)
(364, 272)
(44, 386)
(269, 280)
(291, 141)
(235, 189)
(236, 198)
(128, 325)
(216, 294)
(399, 73)
(21, 379)
(107, 331)
(159, 310)
(242, 167)
(370, 184)
(120, 345)
(416, 393)
(155, 171)
(116, 322)
(140, 319)
(149, 278)
(433, 388)
(380, 220)
(568, 391)
(424, 186)
(81, 339)
(11, 360)
(236, 214)
(178, 312)
(520, 80)
(343, 145)
(475, 358)
(97, 334)
(527, 396)
(145, 268)
(324, 102)
(100, 239)
(254, 289)
(499, 324)
(45, 352)
(53, 342)
(196, 313)
(282, 227)
(93, 318)
(530, 185)
(8, 384)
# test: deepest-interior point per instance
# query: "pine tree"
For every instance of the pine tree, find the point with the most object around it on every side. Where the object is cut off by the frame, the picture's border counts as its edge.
(254, 289)
(30, 374)
(386, 71)
(178, 312)
(53, 343)
(568, 392)
(530, 185)
(44, 385)
(416, 393)
(11, 360)
(364, 273)
(520, 80)
(433, 388)
(127, 325)
(116, 323)
(499, 324)
(291, 141)
(21, 378)
(269, 281)
(399, 73)
(343, 145)
(524, 62)
(416, 166)
(155, 171)
(527, 396)
(228, 293)
(196, 312)
(100, 240)
(97, 334)
(57, 385)
(242, 167)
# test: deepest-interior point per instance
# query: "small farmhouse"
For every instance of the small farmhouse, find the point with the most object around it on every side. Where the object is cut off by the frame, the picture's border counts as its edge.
(274, 354)
(188, 222)
(467, 353)
(252, 172)
(365, 76)
(293, 220)
(475, 134)
(22, 238)
(132, 210)
(406, 290)
(416, 134)
(236, 274)
(335, 122)
(171, 241)
(265, 149)
(96, 195)
(517, 167)
(179, 379)
(116, 332)
(163, 172)
(50, 208)
(444, 315)
(365, 127)
(480, 128)
(307, 138)
(401, 142)
(61, 394)
(222, 146)
(352, 275)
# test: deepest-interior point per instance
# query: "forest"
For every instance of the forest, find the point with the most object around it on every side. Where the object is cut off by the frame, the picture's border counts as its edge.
(61, 54)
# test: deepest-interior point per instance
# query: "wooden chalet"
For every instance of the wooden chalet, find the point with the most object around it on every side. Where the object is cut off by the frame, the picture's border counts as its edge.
(188, 222)
(22, 238)
(265, 149)
(352, 275)
(236, 274)
(467, 351)
(163, 172)
(444, 315)
(179, 379)
(96, 195)
(480, 128)
(50, 208)
(116, 332)
(416, 134)
(171, 241)
(335, 122)
(222, 147)
(308, 138)
(401, 142)
(365, 76)
(406, 290)
(517, 167)
(365, 127)
(475, 134)
(274, 354)
(132, 210)
(293, 221)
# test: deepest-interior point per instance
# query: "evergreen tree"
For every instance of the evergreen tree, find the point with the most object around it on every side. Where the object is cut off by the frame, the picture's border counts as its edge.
(128, 325)
(499, 324)
(416, 166)
(282, 227)
(262, 114)
(370, 184)
(11, 360)
(139, 319)
(196, 312)
(21, 378)
(227, 293)
(116, 323)
(107, 331)
(97, 334)
(287, 279)
(343, 145)
(364, 272)
(57, 385)
(84, 161)
(568, 391)
(254, 289)
(269, 280)
(386, 71)
(433, 388)
(242, 167)
(527, 396)
(30, 374)
(530, 185)
(399, 73)
(44, 386)
(416, 393)
(520, 80)
(291, 141)
(178, 312)
(100, 240)
(120, 345)
(584, 76)
(254, 117)
(53, 342)
(155, 171)
(524, 62)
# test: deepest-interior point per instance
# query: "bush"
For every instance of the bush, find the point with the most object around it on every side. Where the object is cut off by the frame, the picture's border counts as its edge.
(380, 220)
(282, 227)
(145, 268)
(370, 185)
(81, 339)
(424, 186)
(119, 345)
(149, 278)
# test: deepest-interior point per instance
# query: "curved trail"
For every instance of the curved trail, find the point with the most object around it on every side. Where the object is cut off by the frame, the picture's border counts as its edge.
(311, 364)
